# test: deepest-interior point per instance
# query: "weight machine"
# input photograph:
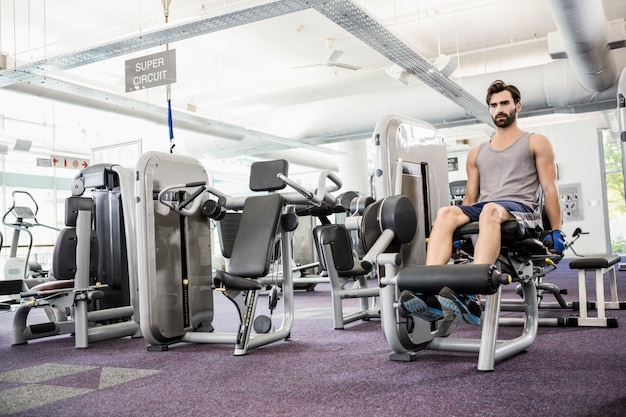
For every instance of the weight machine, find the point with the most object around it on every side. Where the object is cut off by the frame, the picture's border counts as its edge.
(176, 279)
(81, 299)
(411, 164)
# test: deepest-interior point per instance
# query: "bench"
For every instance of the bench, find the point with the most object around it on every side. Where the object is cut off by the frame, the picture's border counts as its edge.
(599, 265)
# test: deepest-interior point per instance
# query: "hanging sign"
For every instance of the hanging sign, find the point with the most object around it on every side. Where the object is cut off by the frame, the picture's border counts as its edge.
(151, 70)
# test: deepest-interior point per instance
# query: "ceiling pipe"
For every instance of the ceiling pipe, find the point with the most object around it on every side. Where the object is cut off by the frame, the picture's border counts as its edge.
(546, 89)
(584, 33)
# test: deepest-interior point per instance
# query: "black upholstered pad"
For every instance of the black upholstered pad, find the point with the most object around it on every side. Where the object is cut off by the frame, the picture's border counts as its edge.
(510, 230)
(595, 261)
(234, 281)
(254, 243)
(341, 246)
(462, 278)
(263, 175)
(64, 256)
(339, 238)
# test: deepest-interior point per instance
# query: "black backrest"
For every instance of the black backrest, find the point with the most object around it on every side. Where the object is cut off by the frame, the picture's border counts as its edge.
(254, 243)
(64, 255)
(227, 229)
(341, 245)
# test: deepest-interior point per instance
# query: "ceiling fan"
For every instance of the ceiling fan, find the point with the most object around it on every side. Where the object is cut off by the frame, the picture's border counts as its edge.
(333, 59)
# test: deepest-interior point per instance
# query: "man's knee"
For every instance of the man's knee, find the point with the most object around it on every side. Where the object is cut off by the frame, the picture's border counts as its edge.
(494, 212)
(451, 216)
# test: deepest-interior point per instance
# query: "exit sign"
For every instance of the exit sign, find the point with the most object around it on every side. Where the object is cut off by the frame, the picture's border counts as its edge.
(70, 163)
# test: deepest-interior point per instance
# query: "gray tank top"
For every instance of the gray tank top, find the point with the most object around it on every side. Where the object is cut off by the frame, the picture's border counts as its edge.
(509, 174)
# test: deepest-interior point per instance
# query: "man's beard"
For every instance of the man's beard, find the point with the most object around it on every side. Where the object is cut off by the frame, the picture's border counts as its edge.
(506, 122)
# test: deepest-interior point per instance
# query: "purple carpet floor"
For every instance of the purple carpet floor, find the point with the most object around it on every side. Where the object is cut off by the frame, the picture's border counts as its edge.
(320, 371)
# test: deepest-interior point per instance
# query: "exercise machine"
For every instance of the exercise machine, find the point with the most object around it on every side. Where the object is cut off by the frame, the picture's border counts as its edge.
(175, 205)
(24, 215)
(340, 268)
(343, 264)
(410, 159)
(22, 218)
(20, 271)
(8, 287)
(81, 300)
(112, 189)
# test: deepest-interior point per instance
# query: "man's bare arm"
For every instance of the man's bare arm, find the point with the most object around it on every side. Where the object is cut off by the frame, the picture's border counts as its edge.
(473, 177)
(546, 169)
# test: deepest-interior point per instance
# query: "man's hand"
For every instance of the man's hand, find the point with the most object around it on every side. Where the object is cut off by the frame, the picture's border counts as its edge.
(555, 241)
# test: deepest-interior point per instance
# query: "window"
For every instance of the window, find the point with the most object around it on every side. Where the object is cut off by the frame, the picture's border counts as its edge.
(21, 178)
(616, 199)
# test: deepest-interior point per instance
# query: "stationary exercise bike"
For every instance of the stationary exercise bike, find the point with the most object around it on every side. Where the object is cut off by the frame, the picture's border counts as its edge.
(8, 287)
(20, 273)
(24, 220)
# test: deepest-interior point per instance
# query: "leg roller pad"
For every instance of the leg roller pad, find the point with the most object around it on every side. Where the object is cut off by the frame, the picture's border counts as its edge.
(463, 279)
(598, 265)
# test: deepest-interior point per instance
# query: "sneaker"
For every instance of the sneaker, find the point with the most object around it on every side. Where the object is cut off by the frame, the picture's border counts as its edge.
(426, 307)
(465, 306)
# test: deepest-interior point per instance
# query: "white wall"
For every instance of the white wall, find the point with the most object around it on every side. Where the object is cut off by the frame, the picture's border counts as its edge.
(578, 156)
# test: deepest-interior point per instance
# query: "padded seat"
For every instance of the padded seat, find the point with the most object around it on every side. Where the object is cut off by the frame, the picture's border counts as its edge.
(513, 238)
(512, 230)
(64, 255)
(523, 259)
(595, 261)
(53, 285)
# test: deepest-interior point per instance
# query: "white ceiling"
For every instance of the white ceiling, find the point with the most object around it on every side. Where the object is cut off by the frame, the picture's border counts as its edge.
(258, 88)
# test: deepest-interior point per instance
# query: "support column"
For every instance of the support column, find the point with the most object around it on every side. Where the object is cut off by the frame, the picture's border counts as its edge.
(353, 167)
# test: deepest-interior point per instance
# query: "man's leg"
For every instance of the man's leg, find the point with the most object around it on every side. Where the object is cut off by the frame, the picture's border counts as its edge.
(440, 241)
(489, 241)
(486, 252)
(427, 306)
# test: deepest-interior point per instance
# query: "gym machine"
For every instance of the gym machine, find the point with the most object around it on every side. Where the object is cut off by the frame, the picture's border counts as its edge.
(176, 279)
(20, 273)
(84, 297)
(411, 164)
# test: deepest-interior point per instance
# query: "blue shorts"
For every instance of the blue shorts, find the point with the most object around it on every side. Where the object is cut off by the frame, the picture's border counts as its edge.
(520, 211)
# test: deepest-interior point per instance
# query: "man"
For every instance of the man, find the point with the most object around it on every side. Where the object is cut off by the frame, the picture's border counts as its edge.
(504, 178)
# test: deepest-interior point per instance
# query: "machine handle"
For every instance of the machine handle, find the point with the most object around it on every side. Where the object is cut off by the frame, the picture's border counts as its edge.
(322, 195)
(300, 189)
(181, 208)
(323, 191)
